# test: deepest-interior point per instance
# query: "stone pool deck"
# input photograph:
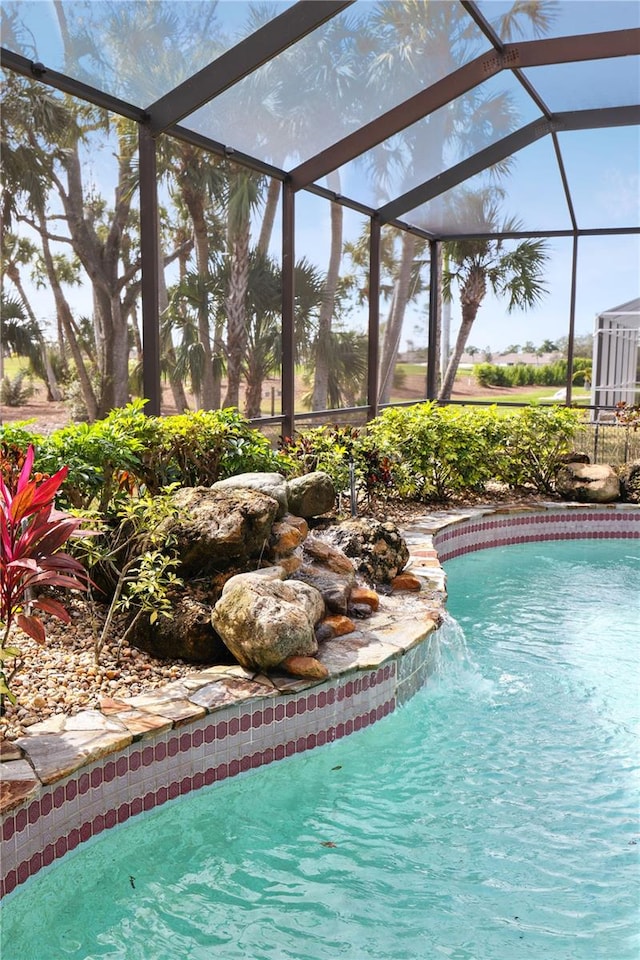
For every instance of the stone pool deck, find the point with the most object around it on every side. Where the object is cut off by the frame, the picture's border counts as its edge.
(71, 777)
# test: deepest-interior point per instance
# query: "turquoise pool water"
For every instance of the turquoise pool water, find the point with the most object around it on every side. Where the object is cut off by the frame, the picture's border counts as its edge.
(494, 817)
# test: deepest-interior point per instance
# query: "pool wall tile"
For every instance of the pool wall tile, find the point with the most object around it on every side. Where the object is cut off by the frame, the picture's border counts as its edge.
(284, 720)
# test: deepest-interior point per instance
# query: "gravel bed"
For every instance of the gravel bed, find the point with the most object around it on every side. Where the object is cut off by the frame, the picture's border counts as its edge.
(61, 677)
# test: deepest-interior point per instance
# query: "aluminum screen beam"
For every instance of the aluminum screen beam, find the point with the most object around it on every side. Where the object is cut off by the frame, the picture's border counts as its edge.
(288, 310)
(574, 120)
(616, 43)
(75, 88)
(586, 46)
(231, 67)
(150, 254)
(467, 168)
(373, 357)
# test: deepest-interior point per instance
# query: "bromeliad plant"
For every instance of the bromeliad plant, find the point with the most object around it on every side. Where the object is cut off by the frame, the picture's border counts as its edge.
(32, 535)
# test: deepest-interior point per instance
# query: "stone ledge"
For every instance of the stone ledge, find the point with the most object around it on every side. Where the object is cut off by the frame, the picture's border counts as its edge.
(138, 752)
(61, 745)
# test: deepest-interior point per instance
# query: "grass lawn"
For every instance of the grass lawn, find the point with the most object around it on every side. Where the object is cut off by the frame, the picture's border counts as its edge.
(13, 365)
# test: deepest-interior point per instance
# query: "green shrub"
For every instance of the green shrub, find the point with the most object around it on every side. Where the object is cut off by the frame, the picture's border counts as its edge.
(490, 375)
(528, 375)
(205, 446)
(334, 449)
(534, 439)
(437, 452)
(128, 451)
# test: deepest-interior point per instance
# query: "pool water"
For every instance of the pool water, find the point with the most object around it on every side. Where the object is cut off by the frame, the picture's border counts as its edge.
(493, 817)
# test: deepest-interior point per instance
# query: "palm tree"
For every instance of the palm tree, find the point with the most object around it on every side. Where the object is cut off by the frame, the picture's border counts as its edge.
(263, 356)
(416, 43)
(199, 179)
(188, 302)
(243, 196)
(17, 251)
(17, 331)
(475, 266)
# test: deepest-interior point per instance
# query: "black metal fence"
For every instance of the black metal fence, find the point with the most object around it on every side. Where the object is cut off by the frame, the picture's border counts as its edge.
(611, 443)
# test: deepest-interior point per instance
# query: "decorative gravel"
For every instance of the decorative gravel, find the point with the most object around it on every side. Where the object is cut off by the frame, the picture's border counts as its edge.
(61, 677)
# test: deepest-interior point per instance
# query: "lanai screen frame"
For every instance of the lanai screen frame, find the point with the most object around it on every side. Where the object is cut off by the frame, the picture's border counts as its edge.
(299, 20)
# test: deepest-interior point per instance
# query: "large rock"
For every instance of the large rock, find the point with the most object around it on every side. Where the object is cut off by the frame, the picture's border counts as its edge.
(334, 588)
(584, 483)
(630, 481)
(223, 525)
(271, 484)
(286, 536)
(326, 568)
(265, 622)
(188, 635)
(311, 495)
(377, 549)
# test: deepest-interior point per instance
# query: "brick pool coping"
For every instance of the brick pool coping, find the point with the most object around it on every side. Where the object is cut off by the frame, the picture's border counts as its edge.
(70, 778)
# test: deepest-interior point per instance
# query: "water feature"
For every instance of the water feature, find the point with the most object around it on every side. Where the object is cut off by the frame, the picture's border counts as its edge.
(495, 816)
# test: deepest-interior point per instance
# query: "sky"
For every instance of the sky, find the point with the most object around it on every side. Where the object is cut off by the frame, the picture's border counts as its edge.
(602, 168)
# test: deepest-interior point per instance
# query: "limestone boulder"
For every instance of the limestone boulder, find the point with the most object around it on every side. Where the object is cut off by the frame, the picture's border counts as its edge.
(275, 572)
(189, 634)
(308, 668)
(271, 484)
(220, 526)
(286, 536)
(326, 568)
(311, 495)
(588, 483)
(377, 550)
(574, 456)
(334, 588)
(264, 622)
(630, 482)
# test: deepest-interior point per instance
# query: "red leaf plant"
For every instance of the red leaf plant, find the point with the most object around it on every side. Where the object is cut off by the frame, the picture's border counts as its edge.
(32, 534)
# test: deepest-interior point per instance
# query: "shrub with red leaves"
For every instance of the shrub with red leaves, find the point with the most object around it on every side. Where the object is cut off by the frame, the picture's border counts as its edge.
(32, 535)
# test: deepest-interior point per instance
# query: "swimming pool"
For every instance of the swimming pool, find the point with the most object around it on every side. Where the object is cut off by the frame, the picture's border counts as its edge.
(493, 816)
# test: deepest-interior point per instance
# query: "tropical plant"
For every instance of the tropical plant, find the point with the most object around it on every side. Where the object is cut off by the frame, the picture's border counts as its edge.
(134, 563)
(475, 266)
(32, 535)
(16, 391)
(533, 442)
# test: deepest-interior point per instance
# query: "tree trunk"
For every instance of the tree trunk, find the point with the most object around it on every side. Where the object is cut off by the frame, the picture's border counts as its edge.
(472, 293)
(270, 209)
(177, 386)
(195, 206)
(253, 398)
(53, 390)
(325, 319)
(101, 259)
(237, 311)
(393, 332)
(65, 320)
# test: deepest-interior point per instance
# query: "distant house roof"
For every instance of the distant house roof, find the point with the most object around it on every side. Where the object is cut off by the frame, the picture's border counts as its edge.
(630, 309)
(537, 359)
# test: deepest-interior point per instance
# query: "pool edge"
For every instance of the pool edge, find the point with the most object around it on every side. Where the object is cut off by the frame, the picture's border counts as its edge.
(123, 774)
